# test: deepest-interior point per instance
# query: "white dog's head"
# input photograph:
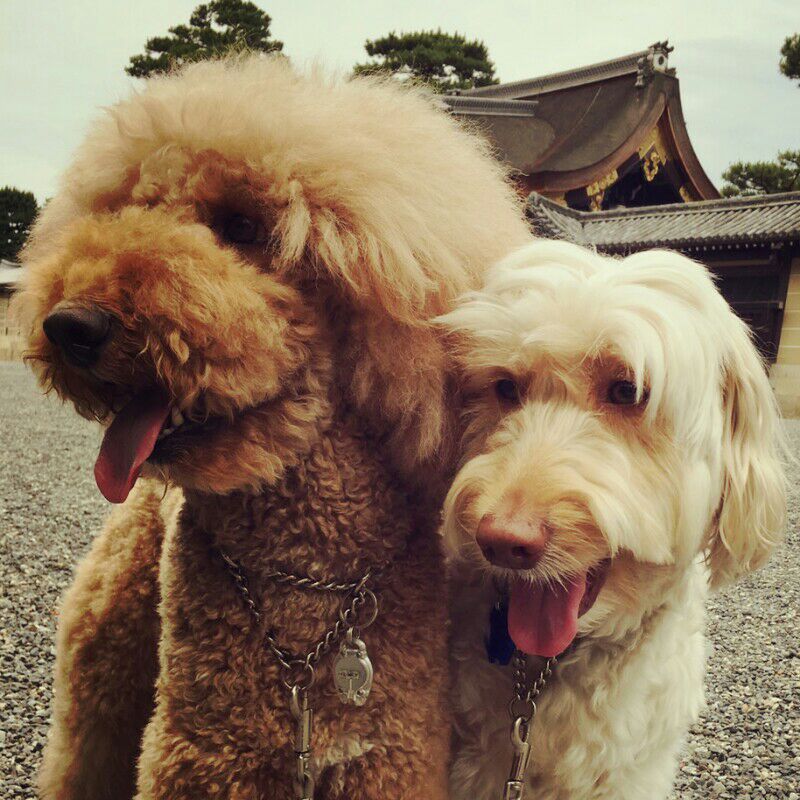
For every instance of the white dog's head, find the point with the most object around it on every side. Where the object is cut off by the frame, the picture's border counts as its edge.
(618, 422)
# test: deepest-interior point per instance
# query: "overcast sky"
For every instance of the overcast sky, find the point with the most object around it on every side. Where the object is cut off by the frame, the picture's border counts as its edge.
(61, 60)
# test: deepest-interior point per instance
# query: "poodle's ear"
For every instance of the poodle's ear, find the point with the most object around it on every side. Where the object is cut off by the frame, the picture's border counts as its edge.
(394, 369)
(400, 382)
(752, 513)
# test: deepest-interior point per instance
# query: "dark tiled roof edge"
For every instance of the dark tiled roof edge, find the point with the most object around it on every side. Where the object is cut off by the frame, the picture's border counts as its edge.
(490, 106)
(696, 206)
(617, 229)
(602, 70)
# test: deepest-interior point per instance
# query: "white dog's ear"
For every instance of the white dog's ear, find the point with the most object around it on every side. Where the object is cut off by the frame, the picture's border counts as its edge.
(752, 513)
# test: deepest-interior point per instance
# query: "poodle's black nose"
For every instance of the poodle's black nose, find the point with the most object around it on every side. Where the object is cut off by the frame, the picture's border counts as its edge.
(79, 332)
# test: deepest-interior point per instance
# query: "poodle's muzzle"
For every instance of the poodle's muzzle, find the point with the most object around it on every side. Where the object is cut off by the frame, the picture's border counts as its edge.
(80, 332)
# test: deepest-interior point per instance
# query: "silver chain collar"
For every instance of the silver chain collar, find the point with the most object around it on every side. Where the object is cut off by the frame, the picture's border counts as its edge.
(353, 663)
(522, 710)
(353, 672)
(302, 667)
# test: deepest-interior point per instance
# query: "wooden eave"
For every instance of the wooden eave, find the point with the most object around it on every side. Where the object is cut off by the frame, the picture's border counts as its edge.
(588, 127)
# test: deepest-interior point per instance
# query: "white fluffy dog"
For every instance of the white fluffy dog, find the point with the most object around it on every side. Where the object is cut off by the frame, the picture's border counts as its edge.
(619, 452)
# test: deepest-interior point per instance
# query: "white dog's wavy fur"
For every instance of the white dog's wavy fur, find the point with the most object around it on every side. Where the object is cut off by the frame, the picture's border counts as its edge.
(685, 489)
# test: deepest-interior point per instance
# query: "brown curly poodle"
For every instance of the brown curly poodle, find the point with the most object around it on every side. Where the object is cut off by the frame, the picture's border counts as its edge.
(236, 278)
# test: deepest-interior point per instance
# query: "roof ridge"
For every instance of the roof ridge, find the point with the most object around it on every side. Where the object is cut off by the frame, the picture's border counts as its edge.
(697, 225)
(614, 66)
(534, 198)
(694, 207)
(459, 104)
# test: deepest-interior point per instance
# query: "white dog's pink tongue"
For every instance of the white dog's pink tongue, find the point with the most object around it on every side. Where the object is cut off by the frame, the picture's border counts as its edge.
(543, 619)
(128, 442)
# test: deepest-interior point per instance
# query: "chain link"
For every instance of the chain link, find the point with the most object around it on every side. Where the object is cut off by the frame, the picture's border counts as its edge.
(316, 584)
(522, 710)
(240, 579)
(299, 670)
(523, 704)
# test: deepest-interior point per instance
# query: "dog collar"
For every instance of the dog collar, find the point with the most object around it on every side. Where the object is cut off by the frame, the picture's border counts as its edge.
(500, 647)
(352, 669)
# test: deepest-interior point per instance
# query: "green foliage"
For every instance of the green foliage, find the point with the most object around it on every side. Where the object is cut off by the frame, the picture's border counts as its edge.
(769, 177)
(18, 210)
(790, 57)
(214, 29)
(442, 60)
(763, 177)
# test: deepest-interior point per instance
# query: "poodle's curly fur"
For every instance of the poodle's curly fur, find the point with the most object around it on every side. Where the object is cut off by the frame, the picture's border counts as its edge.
(323, 402)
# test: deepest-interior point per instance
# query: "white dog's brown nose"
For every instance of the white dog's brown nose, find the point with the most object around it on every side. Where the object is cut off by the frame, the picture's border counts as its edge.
(511, 541)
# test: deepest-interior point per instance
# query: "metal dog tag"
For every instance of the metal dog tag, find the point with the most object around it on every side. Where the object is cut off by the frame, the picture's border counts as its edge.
(352, 672)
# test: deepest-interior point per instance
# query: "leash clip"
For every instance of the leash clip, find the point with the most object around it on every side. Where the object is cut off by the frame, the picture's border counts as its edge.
(304, 719)
(522, 710)
(520, 739)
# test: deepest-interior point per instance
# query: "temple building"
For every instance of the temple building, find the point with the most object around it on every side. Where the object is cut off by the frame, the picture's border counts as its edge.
(594, 138)
(604, 158)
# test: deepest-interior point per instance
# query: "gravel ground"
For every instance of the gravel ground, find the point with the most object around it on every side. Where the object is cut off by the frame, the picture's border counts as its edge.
(745, 747)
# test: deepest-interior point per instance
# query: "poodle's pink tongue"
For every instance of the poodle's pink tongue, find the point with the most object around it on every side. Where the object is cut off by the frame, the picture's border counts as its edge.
(128, 442)
(543, 620)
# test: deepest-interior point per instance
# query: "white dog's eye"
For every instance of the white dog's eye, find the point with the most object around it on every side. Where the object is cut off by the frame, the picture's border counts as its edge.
(623, 393)
(241, 229)
(507, 390)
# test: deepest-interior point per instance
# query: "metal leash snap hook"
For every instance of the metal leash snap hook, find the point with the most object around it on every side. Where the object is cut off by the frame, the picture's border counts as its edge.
(304, 720)
(522, 710)
(520, 738)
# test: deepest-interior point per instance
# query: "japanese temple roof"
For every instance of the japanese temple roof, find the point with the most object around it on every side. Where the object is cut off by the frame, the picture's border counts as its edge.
(490, 106)
(727, 223)
(585, 123)
(593, 73)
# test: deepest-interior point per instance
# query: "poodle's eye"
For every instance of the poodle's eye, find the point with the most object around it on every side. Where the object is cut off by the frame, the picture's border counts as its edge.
(623, 393)
(507, 390)
(241, 229)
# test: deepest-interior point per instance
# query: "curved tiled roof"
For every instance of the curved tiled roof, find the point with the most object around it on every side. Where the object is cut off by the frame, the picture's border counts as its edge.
(489, 106)
(565, 131)
(603, 70)
(730, 222)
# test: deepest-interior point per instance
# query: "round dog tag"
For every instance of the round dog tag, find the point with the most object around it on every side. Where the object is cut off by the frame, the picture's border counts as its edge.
(352, 672)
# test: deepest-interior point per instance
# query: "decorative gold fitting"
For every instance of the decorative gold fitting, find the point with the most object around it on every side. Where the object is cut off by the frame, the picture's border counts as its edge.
(599, 186)
(651, 164)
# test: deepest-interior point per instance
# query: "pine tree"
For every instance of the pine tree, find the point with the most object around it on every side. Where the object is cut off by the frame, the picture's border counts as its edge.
(18, 211)
(214, 29)
(769, 177)
(790, 57)
(763, 177)
(444, 61)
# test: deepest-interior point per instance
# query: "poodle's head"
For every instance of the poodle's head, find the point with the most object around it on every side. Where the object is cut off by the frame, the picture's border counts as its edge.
(618, 424)
(239, 252)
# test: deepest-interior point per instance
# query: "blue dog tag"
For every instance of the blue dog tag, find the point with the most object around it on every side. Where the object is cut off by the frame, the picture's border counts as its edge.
(499, 645)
